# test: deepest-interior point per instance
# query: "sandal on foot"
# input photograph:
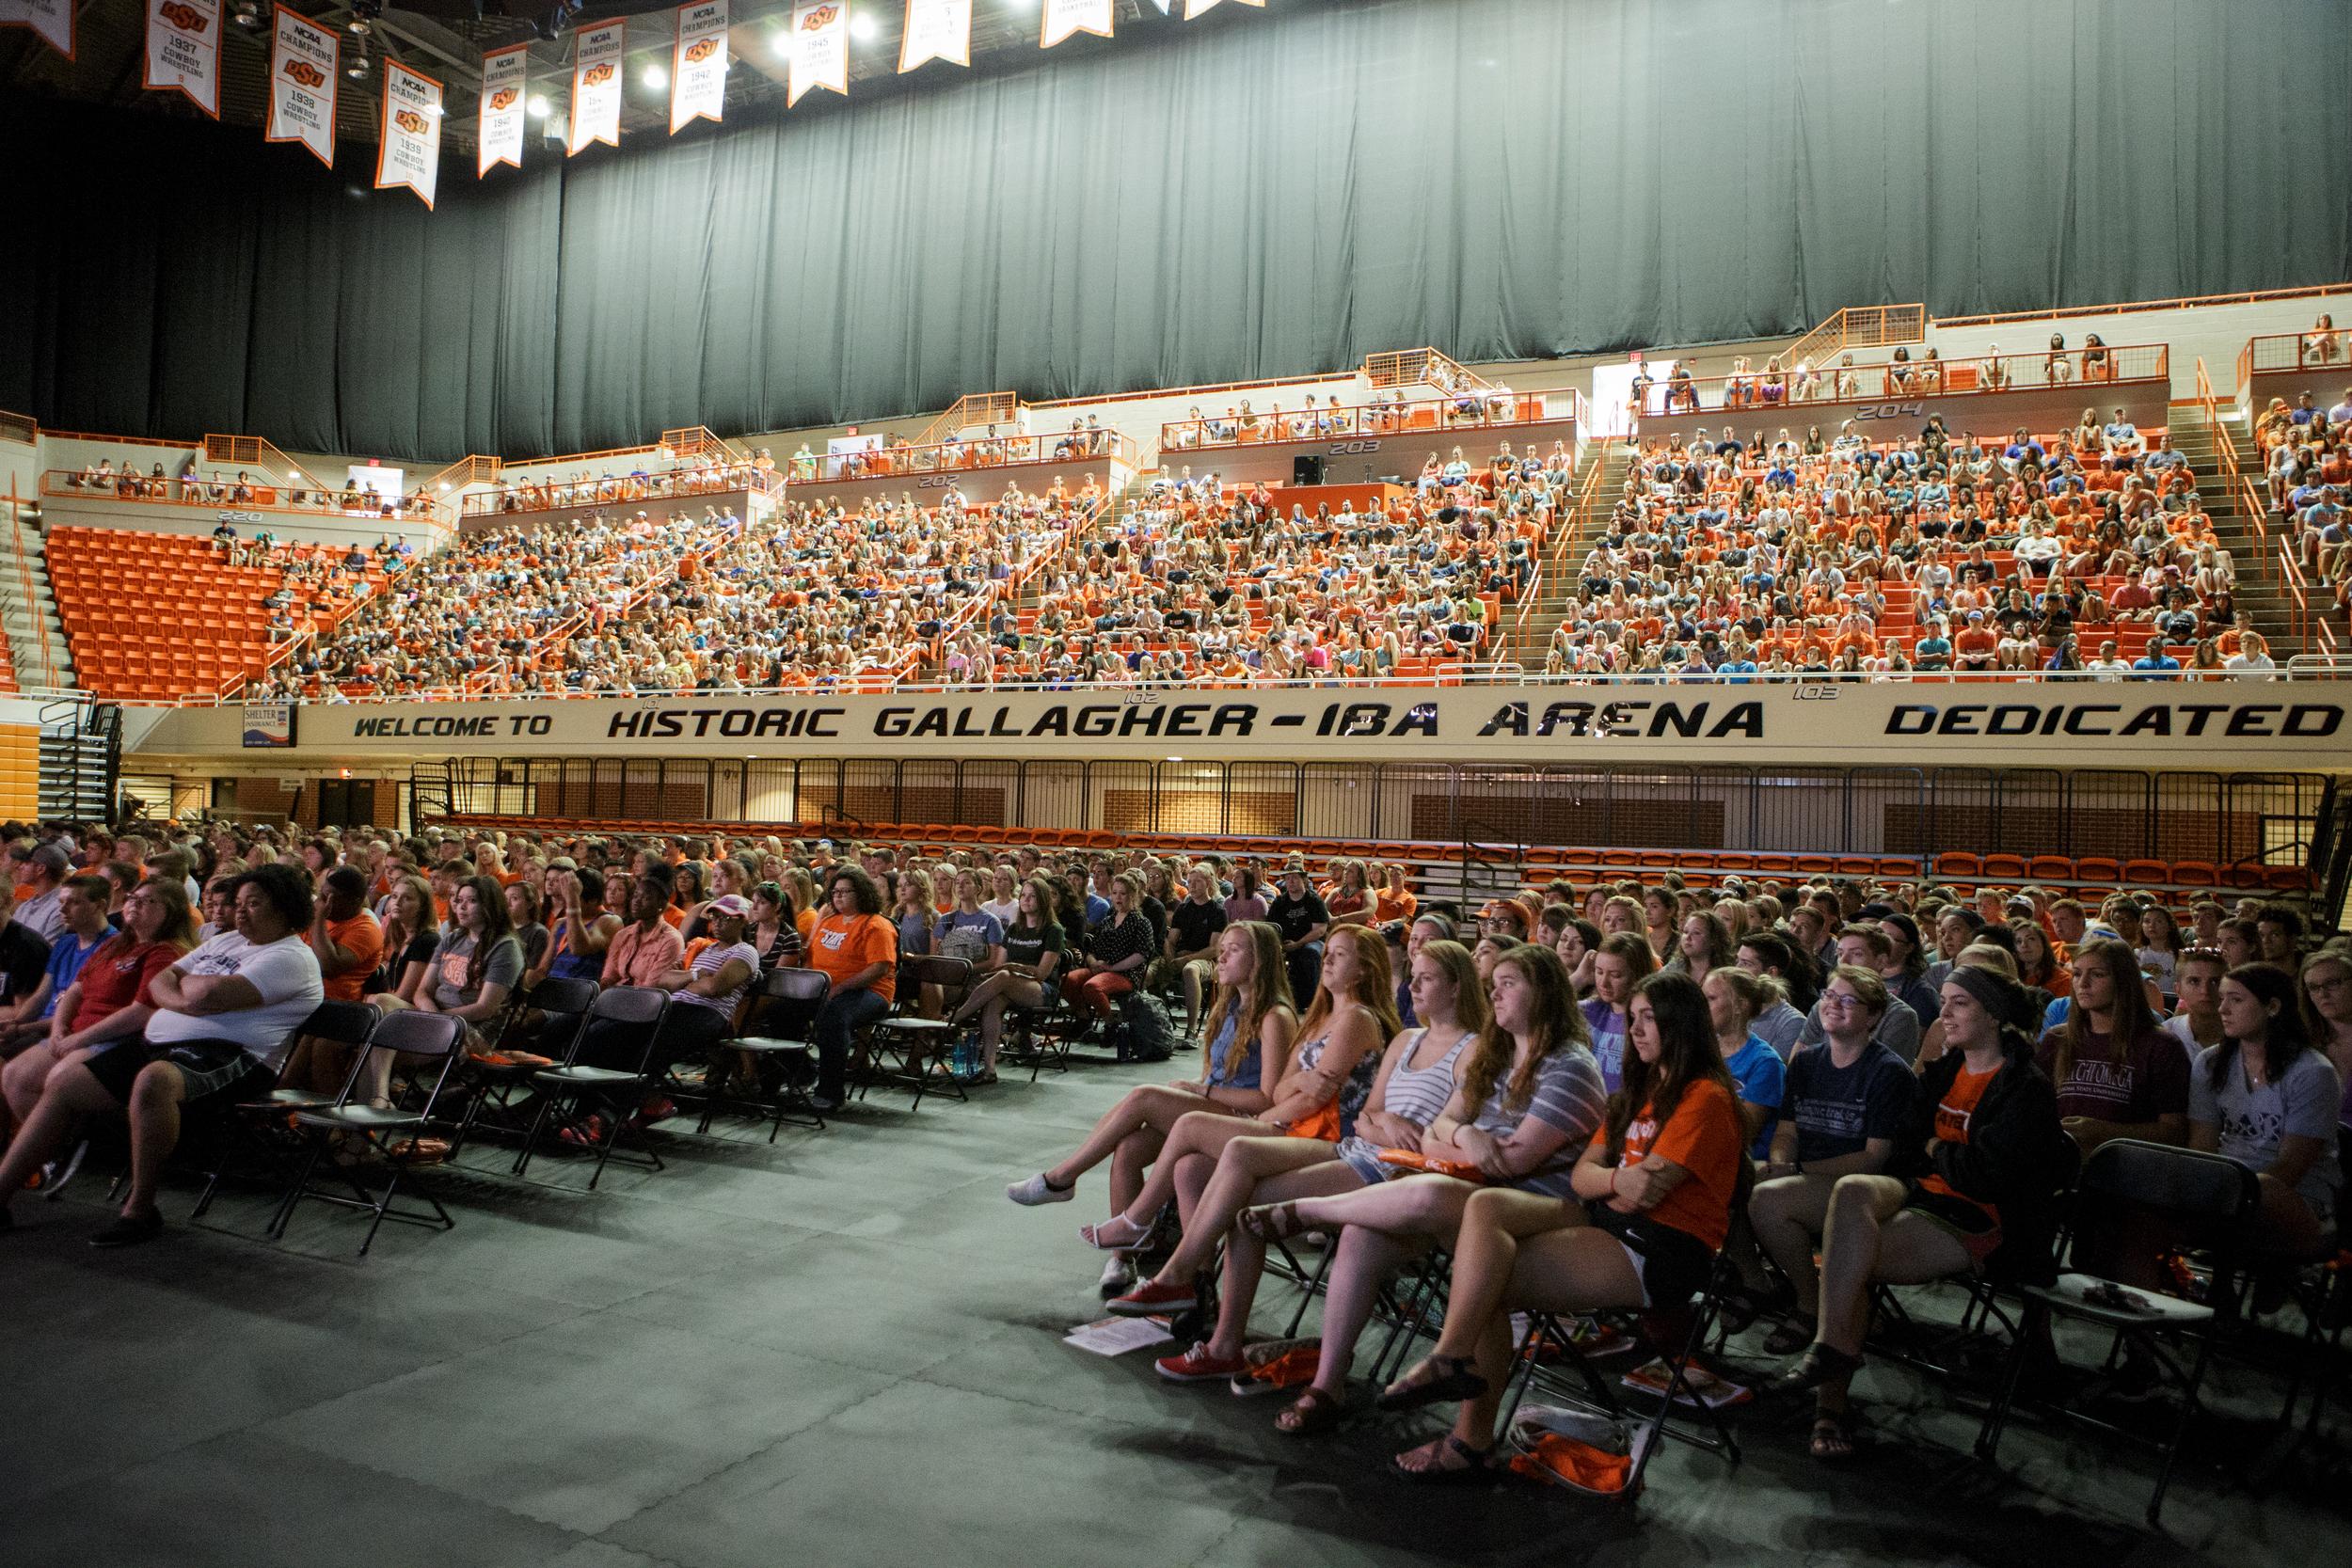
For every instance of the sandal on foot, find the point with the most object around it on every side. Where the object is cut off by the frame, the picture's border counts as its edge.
(1435, 1380)
(1272, 1221)
(1477, 1464)
(1834, 1437)
(1819, 1364)
(1116, 1234)
(1792, 1337)
(1311, 1412)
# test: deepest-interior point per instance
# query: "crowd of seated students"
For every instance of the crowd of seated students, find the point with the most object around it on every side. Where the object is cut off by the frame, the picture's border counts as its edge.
(1726, 558)
(707, 475)
(1197, 583)
(2305, 453)
(813, 593)
(1585, 1097)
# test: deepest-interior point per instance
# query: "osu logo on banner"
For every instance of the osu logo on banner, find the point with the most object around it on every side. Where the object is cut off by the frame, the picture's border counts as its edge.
(307, 74)
(818, 18)
(701, 50)
(410, 121)
(597, 75)
(186, 17)
(504, 98)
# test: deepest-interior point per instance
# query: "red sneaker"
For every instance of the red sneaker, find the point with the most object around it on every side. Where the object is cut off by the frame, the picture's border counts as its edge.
(1152, 1298)
(589, 1135)
(1198, 1366)
(656, 1110)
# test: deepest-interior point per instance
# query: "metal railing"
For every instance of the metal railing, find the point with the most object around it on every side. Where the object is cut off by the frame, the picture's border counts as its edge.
(1414, 367)
(1428, 415)
(215, 495)
(972, 411)
(1861, 326)
(683, 482)
(978, 455)
(1781, 387)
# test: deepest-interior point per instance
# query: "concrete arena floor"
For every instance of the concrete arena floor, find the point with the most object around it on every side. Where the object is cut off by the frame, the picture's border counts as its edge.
(846, 1350)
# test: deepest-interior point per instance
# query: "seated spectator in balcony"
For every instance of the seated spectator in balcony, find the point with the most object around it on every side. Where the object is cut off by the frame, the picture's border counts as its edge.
(2156, 664)
(2323, 345)
(223, 1019)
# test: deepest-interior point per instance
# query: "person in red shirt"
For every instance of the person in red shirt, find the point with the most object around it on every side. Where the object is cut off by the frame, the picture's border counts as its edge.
(1653, 1207)
(857, 949)
(109, 1000)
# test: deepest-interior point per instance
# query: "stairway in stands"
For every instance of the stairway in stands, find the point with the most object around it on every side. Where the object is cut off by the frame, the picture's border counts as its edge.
(36, 650)
(2259, 591)
(1565, 552)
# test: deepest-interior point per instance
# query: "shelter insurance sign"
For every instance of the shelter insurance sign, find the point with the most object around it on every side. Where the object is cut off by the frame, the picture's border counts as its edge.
(2296, 724)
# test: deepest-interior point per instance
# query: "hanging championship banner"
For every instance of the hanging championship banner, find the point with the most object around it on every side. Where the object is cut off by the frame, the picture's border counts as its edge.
(936, 30)
(52, 18)
(1194, 8)
(820, 49)
(504, 82)
(698, 63)
(597, 86)
(1065, 17)
(410, 154)
(183, 50)
(303, 60)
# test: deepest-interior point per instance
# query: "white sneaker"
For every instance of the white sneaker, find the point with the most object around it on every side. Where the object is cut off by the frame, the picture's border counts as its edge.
(1035, 1190)
(1119, 1275)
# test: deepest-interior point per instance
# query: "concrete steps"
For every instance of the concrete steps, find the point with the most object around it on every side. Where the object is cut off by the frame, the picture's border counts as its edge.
(32, 627)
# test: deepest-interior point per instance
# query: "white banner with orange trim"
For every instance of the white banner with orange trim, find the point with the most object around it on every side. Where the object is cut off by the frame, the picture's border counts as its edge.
(505, 84)
(597, 64)
(698, 63)
(183, 50)
(1194, 8)
(936, 30)
(410, 152)
(52, 18)
(1065, 17)
(303, 60)
(820, 49)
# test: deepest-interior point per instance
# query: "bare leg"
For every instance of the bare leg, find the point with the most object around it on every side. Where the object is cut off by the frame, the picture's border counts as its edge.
(1203, 1133)
(71, 1093)
(1788, 1212)
(1245, 1255)
(1242, 1170)
(155, 1097)
(1365, 1257)
(1487, 1249)
(1859, 1207)
(1136, 1152)
(1192, 1176)
(1156, 1106)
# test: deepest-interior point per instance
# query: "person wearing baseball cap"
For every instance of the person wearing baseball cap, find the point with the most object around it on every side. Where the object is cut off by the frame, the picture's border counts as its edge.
(703, 995)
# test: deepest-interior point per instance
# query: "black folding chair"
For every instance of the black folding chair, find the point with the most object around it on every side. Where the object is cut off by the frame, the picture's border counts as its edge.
(564, 1003)
(636, 1011)
(433, 1037)
(1678, 1332)
(265, 1127)
(775, 1038)
(909, 1048)
(1041, 1034)
(2208, 1197)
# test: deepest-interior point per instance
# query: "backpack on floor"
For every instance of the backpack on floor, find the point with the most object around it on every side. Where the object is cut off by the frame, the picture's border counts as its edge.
(1149, 1035)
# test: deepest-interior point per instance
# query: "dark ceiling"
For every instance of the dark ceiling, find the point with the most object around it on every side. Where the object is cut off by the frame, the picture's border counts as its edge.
(446, 40)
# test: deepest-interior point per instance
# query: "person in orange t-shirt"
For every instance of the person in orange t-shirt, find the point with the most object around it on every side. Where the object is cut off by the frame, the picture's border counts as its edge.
(1656, 1193)
(857, 949)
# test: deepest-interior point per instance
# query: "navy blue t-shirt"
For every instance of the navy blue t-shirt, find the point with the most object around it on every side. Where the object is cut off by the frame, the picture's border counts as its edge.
(1837, 1110)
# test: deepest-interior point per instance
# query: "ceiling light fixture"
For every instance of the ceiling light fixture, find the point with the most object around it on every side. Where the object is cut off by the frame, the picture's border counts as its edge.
(862, 26)
(656, 76)
(537, 106)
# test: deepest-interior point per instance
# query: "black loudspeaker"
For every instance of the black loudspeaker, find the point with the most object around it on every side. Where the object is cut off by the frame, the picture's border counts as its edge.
(1305, 470)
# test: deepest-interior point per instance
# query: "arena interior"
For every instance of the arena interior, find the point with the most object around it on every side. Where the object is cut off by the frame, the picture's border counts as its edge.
(1617, 730)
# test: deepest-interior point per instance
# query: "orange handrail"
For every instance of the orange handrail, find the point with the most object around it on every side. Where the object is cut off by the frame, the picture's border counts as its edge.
(982, 409)
(76, 484)
(958, 457)
(1339, 421)
(21, 428)
(2320, 352)
(678, 483)
(24, 579)
(1861, 326)
(1412, 366)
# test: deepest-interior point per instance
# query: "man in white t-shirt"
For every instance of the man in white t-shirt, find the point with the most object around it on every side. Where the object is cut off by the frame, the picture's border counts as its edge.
(224, 1016)
(2197, 978)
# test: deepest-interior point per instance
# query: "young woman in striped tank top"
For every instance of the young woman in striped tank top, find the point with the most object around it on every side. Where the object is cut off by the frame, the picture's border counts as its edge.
(1415, 1081)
